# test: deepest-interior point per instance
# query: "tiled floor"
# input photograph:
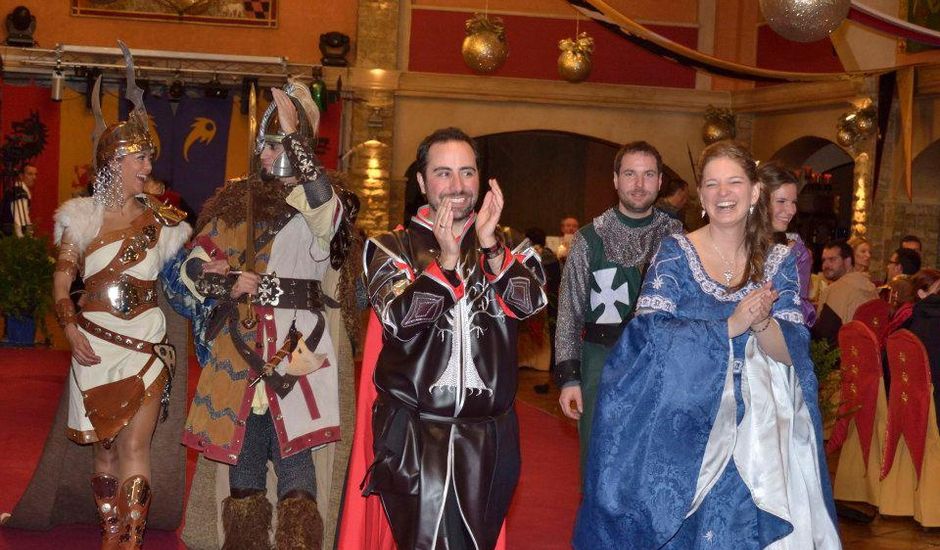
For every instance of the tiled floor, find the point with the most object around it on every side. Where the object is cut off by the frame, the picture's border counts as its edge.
(884, 533)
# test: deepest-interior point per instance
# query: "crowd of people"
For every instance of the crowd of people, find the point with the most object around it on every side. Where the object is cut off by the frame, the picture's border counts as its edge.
(684, 357)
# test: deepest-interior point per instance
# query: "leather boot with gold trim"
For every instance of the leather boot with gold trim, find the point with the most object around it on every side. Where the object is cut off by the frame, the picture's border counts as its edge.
(134, 504)
(299, 525)
(105, 489)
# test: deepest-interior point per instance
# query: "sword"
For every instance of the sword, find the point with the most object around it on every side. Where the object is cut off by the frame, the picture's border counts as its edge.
(251, 320)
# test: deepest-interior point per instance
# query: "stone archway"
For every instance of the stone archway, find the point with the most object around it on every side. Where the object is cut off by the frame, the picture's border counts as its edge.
(824, 209)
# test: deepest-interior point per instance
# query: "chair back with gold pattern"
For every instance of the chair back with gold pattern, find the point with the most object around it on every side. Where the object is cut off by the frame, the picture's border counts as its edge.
(908, 398)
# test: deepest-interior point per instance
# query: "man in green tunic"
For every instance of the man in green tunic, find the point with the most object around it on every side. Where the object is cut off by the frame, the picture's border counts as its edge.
(602, 277)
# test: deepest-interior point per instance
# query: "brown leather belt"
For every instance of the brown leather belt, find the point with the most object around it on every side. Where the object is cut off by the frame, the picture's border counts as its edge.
(116, 338)
(126, 297)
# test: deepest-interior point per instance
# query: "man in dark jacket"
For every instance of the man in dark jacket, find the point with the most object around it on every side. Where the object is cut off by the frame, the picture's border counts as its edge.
(449, 295)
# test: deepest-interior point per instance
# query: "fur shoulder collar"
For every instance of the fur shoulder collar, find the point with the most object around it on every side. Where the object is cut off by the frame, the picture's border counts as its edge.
(82, 218)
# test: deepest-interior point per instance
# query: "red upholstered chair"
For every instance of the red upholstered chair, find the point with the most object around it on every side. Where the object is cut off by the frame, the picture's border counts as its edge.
(876, 314)
(911, 460)
(859, 431)
(909, 399)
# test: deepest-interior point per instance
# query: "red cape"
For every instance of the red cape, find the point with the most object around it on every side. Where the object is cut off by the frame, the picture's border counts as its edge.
(364, 525)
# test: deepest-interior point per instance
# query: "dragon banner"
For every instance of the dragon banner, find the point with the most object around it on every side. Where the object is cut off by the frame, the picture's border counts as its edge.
(191, 139)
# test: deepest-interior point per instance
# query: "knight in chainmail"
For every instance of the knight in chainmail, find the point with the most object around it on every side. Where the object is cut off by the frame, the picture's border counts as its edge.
(266, 250)
(601, 280)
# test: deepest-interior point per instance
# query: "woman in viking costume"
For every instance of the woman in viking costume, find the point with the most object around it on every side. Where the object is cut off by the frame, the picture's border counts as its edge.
(118, 239)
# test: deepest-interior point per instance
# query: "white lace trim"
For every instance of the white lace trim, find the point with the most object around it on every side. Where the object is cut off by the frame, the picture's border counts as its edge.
(790, 315)
(775, 258)
(656, 302)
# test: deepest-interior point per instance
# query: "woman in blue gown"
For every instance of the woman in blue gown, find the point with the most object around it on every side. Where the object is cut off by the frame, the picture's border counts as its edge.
(707, 432)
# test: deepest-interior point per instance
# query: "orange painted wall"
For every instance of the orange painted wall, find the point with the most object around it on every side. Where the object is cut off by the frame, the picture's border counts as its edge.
(300, 24)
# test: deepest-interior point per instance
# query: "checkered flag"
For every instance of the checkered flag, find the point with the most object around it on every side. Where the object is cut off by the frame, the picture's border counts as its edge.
(259, 9)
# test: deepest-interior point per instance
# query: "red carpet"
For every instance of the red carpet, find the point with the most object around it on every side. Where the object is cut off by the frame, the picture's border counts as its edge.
(31, 381)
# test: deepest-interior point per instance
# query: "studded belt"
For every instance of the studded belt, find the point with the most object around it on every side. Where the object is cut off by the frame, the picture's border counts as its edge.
(288, 293)
(126, 298)
(163, 351)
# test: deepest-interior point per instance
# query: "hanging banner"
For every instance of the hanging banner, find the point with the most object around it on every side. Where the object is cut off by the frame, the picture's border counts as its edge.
(191, 144)
(199, 148)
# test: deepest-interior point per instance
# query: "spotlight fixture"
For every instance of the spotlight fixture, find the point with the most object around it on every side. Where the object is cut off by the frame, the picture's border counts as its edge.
(176, 90)
(21, 24)
(215, 89)
(334, 46)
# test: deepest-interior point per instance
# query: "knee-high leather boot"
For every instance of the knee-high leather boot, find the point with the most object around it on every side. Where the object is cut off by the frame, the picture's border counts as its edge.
(134, 504)
(105, 489)
(299, 525)
(246, 521)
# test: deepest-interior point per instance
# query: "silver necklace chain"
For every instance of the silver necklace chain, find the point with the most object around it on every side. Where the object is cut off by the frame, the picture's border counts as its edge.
(730, 267)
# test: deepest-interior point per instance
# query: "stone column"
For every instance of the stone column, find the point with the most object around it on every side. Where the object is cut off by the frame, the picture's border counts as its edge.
(373, 115)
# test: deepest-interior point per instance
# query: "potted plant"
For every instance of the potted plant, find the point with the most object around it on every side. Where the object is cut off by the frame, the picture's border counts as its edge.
(25, 286)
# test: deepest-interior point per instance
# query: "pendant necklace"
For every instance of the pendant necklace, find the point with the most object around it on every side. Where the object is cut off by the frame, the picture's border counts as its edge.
(729, 271)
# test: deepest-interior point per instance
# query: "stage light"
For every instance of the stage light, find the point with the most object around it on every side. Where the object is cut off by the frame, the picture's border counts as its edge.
(215, 89)
(176, 90)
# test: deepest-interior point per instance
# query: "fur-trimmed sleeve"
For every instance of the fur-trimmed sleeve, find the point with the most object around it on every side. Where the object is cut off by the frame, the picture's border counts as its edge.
(172, 238)
(82, 218)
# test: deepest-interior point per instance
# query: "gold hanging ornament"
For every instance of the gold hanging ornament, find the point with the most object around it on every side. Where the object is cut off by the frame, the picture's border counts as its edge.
(485, 49)
(857, 124)
(574, 63)
(719, 125)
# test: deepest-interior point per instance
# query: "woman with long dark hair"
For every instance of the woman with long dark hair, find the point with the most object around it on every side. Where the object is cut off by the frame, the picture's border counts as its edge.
(782, 187)
(707, 431)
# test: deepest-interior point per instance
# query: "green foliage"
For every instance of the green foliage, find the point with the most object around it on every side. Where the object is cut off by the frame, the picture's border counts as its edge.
(826, 360)
(26, 278)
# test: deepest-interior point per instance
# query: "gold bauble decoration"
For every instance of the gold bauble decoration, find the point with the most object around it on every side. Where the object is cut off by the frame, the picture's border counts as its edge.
(804, 20)
(846, 137)
(719, 125)
(485, 49)
(574, 63)
(866, 117)
(865, 123)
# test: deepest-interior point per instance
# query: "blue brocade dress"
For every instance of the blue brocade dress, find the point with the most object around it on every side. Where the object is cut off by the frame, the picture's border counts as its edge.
(701, 441)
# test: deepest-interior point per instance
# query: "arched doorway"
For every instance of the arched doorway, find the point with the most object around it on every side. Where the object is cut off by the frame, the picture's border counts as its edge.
(824, 204)
(545, 176)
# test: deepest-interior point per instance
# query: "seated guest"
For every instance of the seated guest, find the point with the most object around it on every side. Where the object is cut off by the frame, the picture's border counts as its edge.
(904, 262)
(862, 253)
(925, 320)
(849, 289)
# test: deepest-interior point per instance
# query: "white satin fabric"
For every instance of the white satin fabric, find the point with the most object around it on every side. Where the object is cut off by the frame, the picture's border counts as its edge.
(774, 449)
